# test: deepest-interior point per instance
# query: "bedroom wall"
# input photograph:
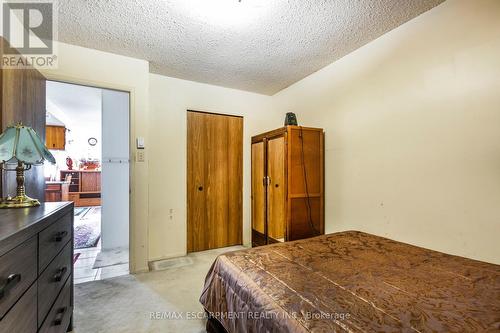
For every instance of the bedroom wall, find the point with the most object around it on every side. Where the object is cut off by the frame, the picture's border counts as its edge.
(169, 101)
(159, 115)
(159, 107)
(412, 126)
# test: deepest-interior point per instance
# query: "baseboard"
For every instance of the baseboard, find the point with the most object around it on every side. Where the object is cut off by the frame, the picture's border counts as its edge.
(170, 256)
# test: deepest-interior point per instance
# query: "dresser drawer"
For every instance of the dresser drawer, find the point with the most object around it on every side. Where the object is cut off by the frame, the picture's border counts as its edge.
(22, 317)
(52, 240)
(60, 315)
(18, 270)
(52, 280)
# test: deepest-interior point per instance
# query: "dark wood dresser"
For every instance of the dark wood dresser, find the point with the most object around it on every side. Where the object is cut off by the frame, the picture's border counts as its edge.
(36, 269)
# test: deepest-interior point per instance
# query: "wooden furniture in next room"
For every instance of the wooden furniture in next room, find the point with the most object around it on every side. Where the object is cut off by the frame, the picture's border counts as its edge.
(84, 188)
(57, 191)
(36, 269)
(214, 181)
(287, 185)
(55, 137)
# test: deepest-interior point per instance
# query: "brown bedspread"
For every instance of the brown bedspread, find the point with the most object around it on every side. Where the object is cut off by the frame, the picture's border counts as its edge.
(351, 281)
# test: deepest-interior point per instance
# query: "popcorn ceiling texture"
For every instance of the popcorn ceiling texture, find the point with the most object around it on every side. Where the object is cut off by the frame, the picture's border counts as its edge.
(282, 43)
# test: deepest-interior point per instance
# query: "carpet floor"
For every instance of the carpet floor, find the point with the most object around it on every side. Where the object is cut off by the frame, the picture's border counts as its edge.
(160, 301)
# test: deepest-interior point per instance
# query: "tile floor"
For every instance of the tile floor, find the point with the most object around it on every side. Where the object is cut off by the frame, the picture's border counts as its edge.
(84, 270)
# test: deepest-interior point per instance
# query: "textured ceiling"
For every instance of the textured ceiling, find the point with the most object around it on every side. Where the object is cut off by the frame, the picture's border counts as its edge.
(255, 45)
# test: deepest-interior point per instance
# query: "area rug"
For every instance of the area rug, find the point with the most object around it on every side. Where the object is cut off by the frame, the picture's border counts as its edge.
(87, 228)
(86, 236)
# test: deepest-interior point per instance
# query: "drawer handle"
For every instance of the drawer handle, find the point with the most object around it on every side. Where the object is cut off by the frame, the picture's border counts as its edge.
(60, 273)
(59, 317)
(60, 236)
(10, 282)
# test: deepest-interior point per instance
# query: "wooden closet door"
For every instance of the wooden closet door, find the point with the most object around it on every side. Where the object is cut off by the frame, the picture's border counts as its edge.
(276, 198)
(214, 181)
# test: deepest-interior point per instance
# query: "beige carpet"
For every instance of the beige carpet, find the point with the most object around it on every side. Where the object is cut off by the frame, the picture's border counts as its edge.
(143, 302)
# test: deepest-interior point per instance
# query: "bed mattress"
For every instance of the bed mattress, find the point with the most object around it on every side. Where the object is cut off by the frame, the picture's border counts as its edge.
(353, 282)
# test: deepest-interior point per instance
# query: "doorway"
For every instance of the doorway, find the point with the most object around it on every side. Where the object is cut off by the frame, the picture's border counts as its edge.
(214, 181)
(88, 133)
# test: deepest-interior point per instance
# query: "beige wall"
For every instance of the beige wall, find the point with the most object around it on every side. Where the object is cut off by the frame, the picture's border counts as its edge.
(413, 131)
(95, 68)
(159, 184)
(169, 100)
(412, 126)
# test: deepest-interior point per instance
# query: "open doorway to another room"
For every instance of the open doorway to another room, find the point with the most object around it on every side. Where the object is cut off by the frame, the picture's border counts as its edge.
(88, 133)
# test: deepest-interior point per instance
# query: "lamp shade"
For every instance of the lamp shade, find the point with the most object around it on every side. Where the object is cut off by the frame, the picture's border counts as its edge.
(21, 143)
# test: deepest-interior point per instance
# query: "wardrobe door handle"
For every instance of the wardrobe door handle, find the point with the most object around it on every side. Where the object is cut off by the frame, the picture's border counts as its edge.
(59, 275)
(10, 282)
(200, 188)
(60, 316)
(60, 236)
(266, 181)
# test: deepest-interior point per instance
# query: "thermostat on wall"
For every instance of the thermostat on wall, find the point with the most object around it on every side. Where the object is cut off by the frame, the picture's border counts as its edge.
(140, 143)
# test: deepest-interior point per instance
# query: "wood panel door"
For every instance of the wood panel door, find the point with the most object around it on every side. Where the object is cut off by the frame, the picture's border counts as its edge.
(214, 181)
(276, 198)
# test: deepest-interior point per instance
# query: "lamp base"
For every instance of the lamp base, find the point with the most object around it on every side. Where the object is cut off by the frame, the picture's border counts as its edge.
(18, 202)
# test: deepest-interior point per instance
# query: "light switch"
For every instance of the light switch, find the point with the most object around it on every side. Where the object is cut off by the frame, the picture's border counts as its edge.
(141, 156)
(140, 143)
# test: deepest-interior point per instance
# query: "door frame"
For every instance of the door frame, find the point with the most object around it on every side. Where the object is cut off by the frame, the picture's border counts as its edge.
(132, 113)
(241, 190)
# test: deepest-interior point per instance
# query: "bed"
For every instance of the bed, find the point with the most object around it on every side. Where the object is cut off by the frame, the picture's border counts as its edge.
(350, 282)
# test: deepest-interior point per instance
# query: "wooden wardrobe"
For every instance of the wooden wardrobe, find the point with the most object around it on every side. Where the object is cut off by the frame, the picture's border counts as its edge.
(287, 185)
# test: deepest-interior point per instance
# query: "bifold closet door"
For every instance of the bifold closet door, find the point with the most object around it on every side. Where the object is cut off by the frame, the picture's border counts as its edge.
(214, 181)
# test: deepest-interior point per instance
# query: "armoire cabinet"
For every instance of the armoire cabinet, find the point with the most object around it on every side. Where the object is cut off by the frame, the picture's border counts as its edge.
(287, 185)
